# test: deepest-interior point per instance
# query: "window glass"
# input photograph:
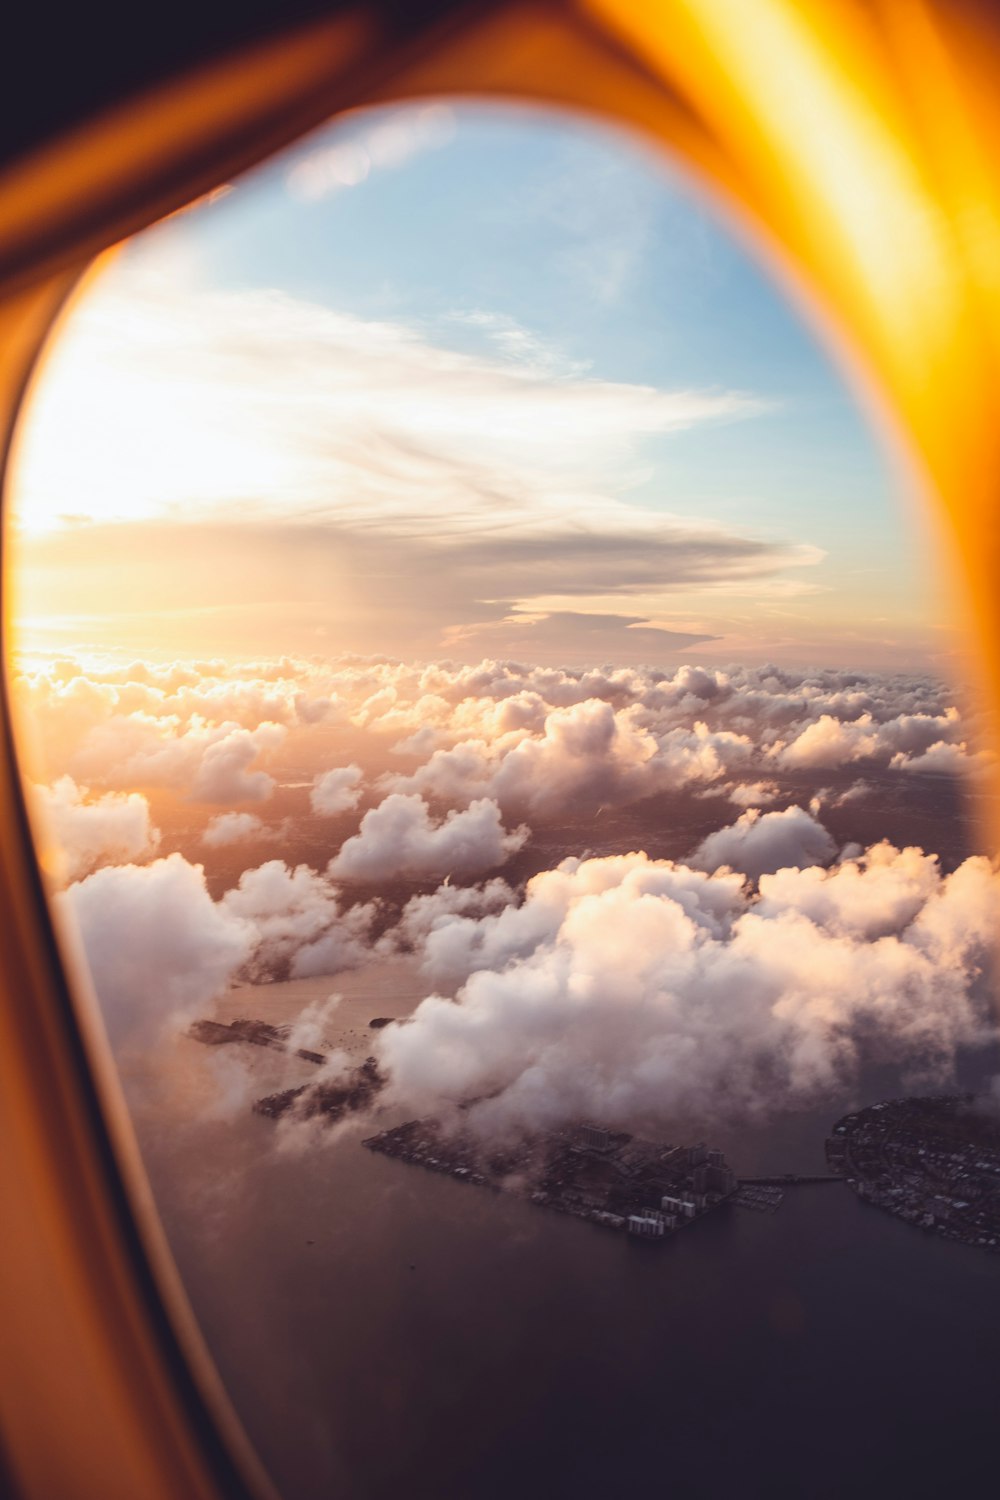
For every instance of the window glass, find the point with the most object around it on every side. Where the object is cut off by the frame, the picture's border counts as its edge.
(493, 721)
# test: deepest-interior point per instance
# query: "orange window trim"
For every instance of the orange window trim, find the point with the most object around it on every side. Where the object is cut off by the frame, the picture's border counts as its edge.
(857, 142)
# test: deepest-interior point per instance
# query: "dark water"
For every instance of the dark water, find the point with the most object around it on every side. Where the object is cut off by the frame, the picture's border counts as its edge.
(436, 1340)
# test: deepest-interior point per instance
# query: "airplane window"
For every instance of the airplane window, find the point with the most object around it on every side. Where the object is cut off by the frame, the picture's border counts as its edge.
(498, 731)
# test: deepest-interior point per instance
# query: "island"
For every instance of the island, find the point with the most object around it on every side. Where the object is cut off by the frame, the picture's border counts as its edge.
(611, 1178)
(257, 1033)
(933, 1161)
(349, 1094)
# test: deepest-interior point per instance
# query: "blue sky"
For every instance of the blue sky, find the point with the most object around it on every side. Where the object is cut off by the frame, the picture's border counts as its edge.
(560, 250)
(609, 253)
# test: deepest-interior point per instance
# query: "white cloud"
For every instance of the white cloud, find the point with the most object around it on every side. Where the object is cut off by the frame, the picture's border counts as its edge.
(586, 755)
(753, 793)
(760, 843)
(159, 948)
(940, 759)
(400, 840)
(298, 921)
(223, 773)
(232, 828)
(826, 796)
(82, 833)
(537, 740)
(336, 791)
(285, 402)
(907, 741)
(830, 742)
(376, 447)
(630, 990)
(876, 898)
(211, 763)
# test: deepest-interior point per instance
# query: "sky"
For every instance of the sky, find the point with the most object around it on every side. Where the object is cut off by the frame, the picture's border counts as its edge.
(444, 564)
(458, 382)
(447, 543)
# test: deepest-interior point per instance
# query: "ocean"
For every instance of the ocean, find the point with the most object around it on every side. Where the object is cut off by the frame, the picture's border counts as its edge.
(387, 1332)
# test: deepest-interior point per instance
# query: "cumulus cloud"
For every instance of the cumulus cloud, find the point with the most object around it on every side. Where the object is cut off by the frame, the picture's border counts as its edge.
(759, 843)
(538, 740)
(621, 986)
(298, 922)
(829, 742)
(444, 929)
(158, 947)
(587, 755)
(82, 833)
(866, 899)
(943, 758)
(631, 990)
(542, 742)
(209, 763)
(400, 839)
(224, 773)
(753, 793)
(826, 796)
(906, 741)
(744, 793)
(336, 791)
(233, 828)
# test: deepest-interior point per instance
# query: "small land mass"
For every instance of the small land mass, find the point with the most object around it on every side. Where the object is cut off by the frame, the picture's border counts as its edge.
(334, 1101)
(934, 1162)
(257, 1033)
(611, 1178)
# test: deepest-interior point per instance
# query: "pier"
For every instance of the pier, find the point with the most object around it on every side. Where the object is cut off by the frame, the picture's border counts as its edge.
(788, 1179)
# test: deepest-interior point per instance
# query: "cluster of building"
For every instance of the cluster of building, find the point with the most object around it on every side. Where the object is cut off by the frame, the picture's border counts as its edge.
(934, 1162)
(352, 1094)
(711, 1179)
(607, 1177)
(653, 1223)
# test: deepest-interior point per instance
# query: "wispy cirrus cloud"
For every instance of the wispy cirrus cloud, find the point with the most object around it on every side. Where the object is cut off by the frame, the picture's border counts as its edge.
(397, 486)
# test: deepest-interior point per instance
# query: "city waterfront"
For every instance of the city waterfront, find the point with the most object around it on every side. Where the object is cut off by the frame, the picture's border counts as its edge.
(387, 1332)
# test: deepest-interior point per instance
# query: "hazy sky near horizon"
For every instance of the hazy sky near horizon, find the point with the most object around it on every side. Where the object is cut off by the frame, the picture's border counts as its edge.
(457, 383)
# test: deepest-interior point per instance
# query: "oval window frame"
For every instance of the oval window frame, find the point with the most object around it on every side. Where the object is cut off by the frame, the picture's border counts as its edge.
(107, 1386)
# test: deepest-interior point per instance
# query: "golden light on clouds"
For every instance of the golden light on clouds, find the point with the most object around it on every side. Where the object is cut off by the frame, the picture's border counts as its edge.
(194, 456)
(246, 462)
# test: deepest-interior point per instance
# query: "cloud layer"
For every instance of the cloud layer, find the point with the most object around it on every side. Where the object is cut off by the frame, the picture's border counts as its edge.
(762, 968)
(352, 471)
(336, 791)
(400, 840)
(535, 740)
(81, 832)
(761, 843)
(631, 989)
(159, 948)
